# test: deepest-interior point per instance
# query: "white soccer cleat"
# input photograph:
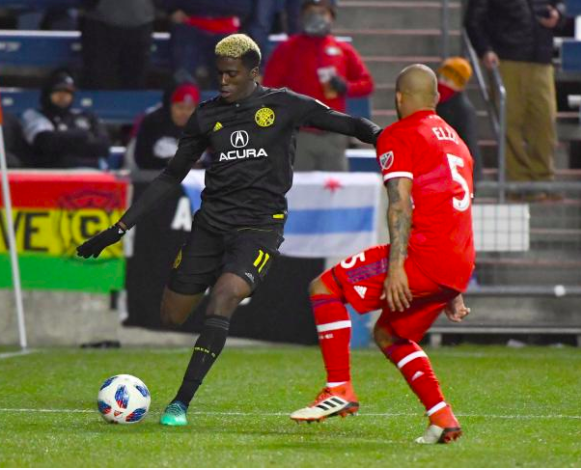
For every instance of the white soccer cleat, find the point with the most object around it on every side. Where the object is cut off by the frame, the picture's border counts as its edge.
(445, 431)
(336, 401)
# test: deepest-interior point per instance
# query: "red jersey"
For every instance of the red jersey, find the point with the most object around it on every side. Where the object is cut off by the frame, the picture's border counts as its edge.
(425, 149)
(304, 63)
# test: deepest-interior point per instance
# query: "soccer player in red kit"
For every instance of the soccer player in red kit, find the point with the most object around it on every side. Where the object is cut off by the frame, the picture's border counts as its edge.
(427, 170)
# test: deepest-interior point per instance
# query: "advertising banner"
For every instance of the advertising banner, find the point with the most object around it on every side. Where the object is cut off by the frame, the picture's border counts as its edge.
(54, 212)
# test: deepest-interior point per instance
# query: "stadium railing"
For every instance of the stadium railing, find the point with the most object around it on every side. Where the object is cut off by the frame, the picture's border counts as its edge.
(496, 110)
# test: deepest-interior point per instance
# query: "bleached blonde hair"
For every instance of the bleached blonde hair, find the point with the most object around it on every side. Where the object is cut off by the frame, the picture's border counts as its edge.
(236, 46)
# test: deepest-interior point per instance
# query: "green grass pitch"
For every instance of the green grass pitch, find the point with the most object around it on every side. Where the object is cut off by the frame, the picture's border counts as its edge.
(517, 407)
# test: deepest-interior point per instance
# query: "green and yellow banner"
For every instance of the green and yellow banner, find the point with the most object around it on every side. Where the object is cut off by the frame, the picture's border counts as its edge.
(53, 213)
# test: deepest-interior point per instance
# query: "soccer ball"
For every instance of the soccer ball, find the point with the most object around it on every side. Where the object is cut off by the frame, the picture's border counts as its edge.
(123, 399)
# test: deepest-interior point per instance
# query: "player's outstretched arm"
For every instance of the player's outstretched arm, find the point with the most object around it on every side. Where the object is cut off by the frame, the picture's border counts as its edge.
(312, 113)
(95, 245)
(334, 121)
(191, 146)
(399, 221)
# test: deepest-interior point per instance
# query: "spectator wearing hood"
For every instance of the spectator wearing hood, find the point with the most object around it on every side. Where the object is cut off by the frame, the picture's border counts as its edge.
(456, 108)
(160, 130)
(316, 64)
(62, 136)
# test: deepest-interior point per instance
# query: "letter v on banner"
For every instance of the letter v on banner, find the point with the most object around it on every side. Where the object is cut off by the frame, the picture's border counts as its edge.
(11, 238)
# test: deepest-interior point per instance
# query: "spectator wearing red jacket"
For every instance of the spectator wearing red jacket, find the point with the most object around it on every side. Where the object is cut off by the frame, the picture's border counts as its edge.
(316, 64)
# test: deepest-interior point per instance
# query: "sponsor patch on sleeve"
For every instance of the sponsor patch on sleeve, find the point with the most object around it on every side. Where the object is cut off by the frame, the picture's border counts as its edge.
(386, 160)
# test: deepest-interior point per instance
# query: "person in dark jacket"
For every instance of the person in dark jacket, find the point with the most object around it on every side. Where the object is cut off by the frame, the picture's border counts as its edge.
(517, 36)
(117, 39)
(456, 108)
(62, 136)
(160, 130)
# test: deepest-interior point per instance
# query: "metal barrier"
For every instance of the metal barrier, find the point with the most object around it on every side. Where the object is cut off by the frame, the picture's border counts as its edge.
(496, 111)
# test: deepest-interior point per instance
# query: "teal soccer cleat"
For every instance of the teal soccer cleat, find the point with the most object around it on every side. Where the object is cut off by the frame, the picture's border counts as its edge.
(174, 415)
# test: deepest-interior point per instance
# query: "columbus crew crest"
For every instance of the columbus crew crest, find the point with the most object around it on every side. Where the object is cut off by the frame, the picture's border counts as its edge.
(264, 117)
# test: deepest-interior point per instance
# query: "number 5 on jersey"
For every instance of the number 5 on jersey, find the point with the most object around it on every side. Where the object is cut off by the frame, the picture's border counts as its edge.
(455, 163)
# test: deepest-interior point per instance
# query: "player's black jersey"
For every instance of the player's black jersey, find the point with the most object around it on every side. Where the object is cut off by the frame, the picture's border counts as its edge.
(252, 147)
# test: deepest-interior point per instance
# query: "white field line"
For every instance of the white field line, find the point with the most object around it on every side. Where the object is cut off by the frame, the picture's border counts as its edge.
(240, 413)
(16, 354)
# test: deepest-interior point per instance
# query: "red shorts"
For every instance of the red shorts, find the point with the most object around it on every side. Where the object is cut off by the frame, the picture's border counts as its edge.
(359, 281)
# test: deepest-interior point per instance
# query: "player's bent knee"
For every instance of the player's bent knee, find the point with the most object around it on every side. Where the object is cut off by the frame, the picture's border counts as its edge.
(228, 292)
(231, 292)
(318, 287)
(382, 337)
(176, 308)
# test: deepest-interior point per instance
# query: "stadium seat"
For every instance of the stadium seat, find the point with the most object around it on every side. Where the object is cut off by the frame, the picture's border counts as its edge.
(39, 4)
(53, 49)
(106, 103)
(571, 55)
(574, 7)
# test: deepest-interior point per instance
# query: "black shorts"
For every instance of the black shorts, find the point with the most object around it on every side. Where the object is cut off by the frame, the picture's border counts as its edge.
(247, 252)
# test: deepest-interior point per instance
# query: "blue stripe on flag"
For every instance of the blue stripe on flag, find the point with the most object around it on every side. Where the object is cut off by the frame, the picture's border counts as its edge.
(194, 195)
(325, 221)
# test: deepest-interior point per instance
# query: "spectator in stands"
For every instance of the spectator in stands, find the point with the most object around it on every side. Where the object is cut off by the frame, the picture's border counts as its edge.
(117, 40)
(517, 37)
(316, 64)
(60, 135)
(17, 150)
(456, 108)
(56, 17)
(60, 18)
(160, 130)
(264, 16)
(196, 28)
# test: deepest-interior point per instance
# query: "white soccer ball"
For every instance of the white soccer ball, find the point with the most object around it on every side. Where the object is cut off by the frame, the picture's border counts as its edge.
(123, 399)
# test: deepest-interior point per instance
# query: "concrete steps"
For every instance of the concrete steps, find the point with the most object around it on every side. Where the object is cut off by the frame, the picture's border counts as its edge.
(529, 273)
(401, 42)
(394, 14)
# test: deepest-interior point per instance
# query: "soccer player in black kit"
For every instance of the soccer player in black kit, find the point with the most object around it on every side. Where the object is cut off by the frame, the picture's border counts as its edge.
(250, 132)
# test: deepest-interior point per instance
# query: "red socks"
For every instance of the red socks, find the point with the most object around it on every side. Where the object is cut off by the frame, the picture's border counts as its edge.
(415, 366)
(334, 329)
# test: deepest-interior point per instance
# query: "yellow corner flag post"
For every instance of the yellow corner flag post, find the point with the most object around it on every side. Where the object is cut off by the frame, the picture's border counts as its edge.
(11, 238)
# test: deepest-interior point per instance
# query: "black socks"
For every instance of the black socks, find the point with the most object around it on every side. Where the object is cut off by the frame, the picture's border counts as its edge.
(207, 349)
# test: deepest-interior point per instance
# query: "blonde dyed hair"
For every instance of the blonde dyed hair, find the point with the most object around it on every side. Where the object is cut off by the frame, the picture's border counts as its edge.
(236, 45)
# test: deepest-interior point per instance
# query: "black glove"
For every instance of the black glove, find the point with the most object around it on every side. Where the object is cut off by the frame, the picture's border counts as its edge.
(95, 245)
(338, 84)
